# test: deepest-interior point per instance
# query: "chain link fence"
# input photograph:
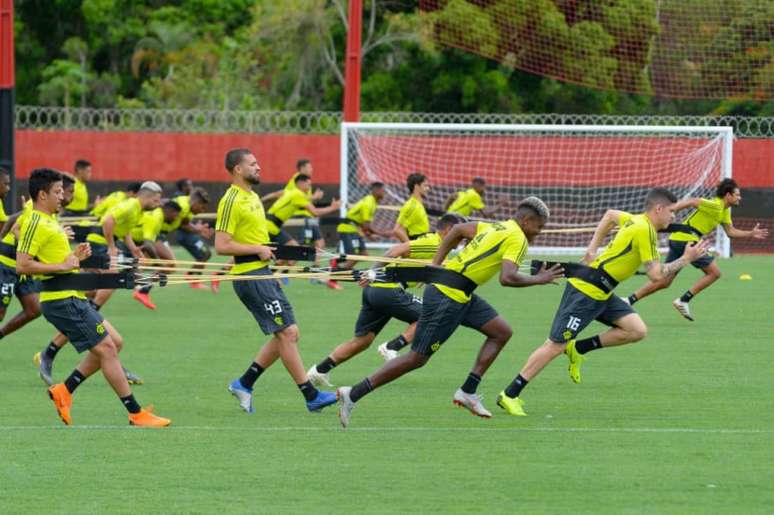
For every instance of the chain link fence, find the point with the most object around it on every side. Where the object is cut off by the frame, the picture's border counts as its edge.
(327, 122)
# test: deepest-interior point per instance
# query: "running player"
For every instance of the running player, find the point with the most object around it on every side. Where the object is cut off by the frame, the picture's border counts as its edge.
(357, 225)
(707, 215)
(382, 302)
(241, 232)
(79, 205)
(591, 298)
(183, 187)
(44, 250)
(114, 198)
(412, 218)
(469, 201)
(189, 234)
(491, 247)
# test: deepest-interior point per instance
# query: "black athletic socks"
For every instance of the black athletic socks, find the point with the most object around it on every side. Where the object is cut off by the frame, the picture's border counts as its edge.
(360, 390)
(687, 296)
(632, 299)
(146, 289)
(588, 345)
(308, 391)
(326, 365)
(471, 383)
(74, 381)
(397, 344)
(515, 388)
(251, 375)
(130, 404)
(51, 351)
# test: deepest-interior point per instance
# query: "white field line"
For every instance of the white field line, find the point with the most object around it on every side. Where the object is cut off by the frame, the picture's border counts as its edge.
(664, 430)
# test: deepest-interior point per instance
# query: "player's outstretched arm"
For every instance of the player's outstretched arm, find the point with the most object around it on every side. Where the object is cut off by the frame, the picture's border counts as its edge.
(757, 232)
(658, 271)
(449, 201)
(610, 219)
(686, 203)
(272, 196)
(458, 233)
(400, 232)
(26, 264)
(321, 211)
(510, 275)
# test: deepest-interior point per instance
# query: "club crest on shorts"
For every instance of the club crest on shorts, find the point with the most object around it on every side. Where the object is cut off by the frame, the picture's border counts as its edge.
(567, 334)
(100, 329)
(434, 347)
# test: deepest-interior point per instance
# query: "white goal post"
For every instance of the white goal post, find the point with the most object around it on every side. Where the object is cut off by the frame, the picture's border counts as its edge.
(578, 170)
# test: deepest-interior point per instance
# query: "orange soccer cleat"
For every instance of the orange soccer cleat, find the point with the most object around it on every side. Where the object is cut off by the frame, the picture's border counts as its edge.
(63, 400)
(144, 299)
(146, 418)
(197, 285)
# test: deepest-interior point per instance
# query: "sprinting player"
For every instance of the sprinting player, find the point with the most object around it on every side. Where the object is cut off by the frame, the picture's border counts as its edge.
(357, 225)
(592, 299)
(183, 187)
(707, 215)
(113, 237)
(114, 198)
(79, 205)
(382, 302)
(241, 232)
(44, 250)
(189, 234)
(491, 247)
(412, 219)
(469, 201)
(145, 236)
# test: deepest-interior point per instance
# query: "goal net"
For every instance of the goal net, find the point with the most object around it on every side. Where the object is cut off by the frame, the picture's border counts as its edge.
(579, 171)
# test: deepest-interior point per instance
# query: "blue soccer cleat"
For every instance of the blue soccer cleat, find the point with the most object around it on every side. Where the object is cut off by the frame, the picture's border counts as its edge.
(243, 395)
(322, 400)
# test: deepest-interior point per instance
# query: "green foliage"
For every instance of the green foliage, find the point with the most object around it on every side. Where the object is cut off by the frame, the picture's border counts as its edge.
(263, 54)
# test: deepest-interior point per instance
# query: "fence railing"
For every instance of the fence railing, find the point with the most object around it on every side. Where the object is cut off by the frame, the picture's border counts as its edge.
(327, 122)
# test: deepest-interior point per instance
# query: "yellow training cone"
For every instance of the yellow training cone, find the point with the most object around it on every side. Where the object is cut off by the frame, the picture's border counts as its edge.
(745, 277)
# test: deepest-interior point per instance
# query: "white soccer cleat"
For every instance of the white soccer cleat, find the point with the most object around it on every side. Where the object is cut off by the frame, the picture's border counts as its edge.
(682, 308)
(625, 299)
(345, 405)
(471, 402)
(243, 395)
(386, 353)
(318, 378)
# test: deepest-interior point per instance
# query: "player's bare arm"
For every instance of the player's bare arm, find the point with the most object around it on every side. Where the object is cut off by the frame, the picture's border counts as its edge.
(510, 275)
(757, 232)
(610, 219)
(458, 233)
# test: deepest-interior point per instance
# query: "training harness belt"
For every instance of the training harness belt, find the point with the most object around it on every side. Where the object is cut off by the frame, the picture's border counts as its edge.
(88, 281)
(596, 276)
(289, 252)
(430, 274)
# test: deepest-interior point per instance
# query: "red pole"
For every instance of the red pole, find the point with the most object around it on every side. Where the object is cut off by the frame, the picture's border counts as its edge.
(7, 83)
(352, 63)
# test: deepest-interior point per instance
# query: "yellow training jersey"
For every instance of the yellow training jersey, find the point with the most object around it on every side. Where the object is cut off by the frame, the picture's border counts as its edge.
(290, 186)
(467, 202)
(360, 213)
(184, 201)
(3, 216)
(634, 244)
(10, 237)
(707, 216)
(149, 227)
(286, 206)
(413, 217)
(482, 257)
(111, 200)
(80, 201)
(423, 247)
(43, 238)
(240, 214)
(126, 214)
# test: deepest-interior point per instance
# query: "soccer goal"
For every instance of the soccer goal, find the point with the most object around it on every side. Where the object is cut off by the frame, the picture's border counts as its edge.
(578, 170)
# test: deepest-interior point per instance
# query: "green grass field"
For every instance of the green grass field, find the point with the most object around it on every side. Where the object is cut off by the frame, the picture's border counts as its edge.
(680, 423)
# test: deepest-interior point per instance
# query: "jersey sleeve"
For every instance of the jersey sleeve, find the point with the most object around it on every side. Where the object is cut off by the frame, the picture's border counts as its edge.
(369, 209)
(646, 240)
(726, 218)
(152, 226)
(476, 202)
(31, 235)
(299, 199)
(625, 217)
(121, 212)
(515, 248)
(228, 214)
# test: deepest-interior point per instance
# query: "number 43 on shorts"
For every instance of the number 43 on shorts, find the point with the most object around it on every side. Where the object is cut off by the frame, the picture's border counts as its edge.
(274, 307)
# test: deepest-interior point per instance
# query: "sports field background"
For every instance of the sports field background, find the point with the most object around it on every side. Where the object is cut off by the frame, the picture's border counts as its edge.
(680, 423)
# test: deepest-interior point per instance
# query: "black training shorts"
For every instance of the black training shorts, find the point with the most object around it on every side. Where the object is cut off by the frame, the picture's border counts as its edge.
(577, 310)
(379, 305)
(77, 319)
(676, 249)
(266, 301)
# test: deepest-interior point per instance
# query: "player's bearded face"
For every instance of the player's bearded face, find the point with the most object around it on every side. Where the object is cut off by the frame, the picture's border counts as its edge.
(251, 170)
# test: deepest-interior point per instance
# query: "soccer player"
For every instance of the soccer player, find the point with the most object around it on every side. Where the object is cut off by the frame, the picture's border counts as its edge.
(44, 250)
(79, 205)
(357, 225)
(491, 247)
(183, 187)
(190, 235)
(240, 231)
(382, 302)
(707, 215)
(592, 298)
(145, 236)
(412, 219)
(114, 237)
(5, 187)
(114, 198)
(469, 201)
